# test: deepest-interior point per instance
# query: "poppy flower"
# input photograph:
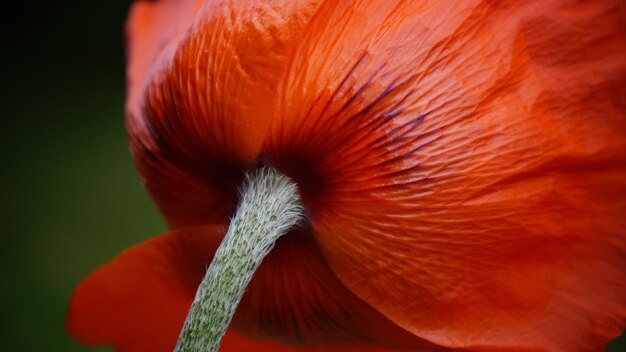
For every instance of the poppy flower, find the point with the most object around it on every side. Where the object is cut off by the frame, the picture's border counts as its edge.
(462, 166)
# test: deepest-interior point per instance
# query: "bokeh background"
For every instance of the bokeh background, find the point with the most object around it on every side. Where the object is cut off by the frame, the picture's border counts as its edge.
(71, 196)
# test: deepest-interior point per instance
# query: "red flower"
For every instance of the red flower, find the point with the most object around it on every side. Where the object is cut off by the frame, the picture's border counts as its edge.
(462, 166)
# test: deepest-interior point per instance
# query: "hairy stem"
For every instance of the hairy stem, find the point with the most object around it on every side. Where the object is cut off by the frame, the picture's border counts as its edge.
(268, 208)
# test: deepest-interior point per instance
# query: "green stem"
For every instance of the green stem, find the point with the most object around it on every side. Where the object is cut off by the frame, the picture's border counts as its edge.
(269, 207)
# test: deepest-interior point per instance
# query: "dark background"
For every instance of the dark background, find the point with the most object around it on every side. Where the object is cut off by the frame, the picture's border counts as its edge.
(71, 196)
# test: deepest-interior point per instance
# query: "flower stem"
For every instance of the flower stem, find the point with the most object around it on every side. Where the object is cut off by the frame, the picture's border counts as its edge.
(268, 208)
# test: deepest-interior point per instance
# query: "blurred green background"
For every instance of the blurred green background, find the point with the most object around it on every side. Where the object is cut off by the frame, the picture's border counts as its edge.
(72, 197)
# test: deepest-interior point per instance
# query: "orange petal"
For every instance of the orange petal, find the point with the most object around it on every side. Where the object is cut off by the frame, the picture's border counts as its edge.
(464, 165)
(234, 342)
(139, 300)
(296, 299)
(202, 84)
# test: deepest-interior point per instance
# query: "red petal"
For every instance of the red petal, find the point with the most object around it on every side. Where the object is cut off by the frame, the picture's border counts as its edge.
(202, 86)
(234, 342)
(155, 29)
(295, 298)
(464, 165)
(139, 300)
